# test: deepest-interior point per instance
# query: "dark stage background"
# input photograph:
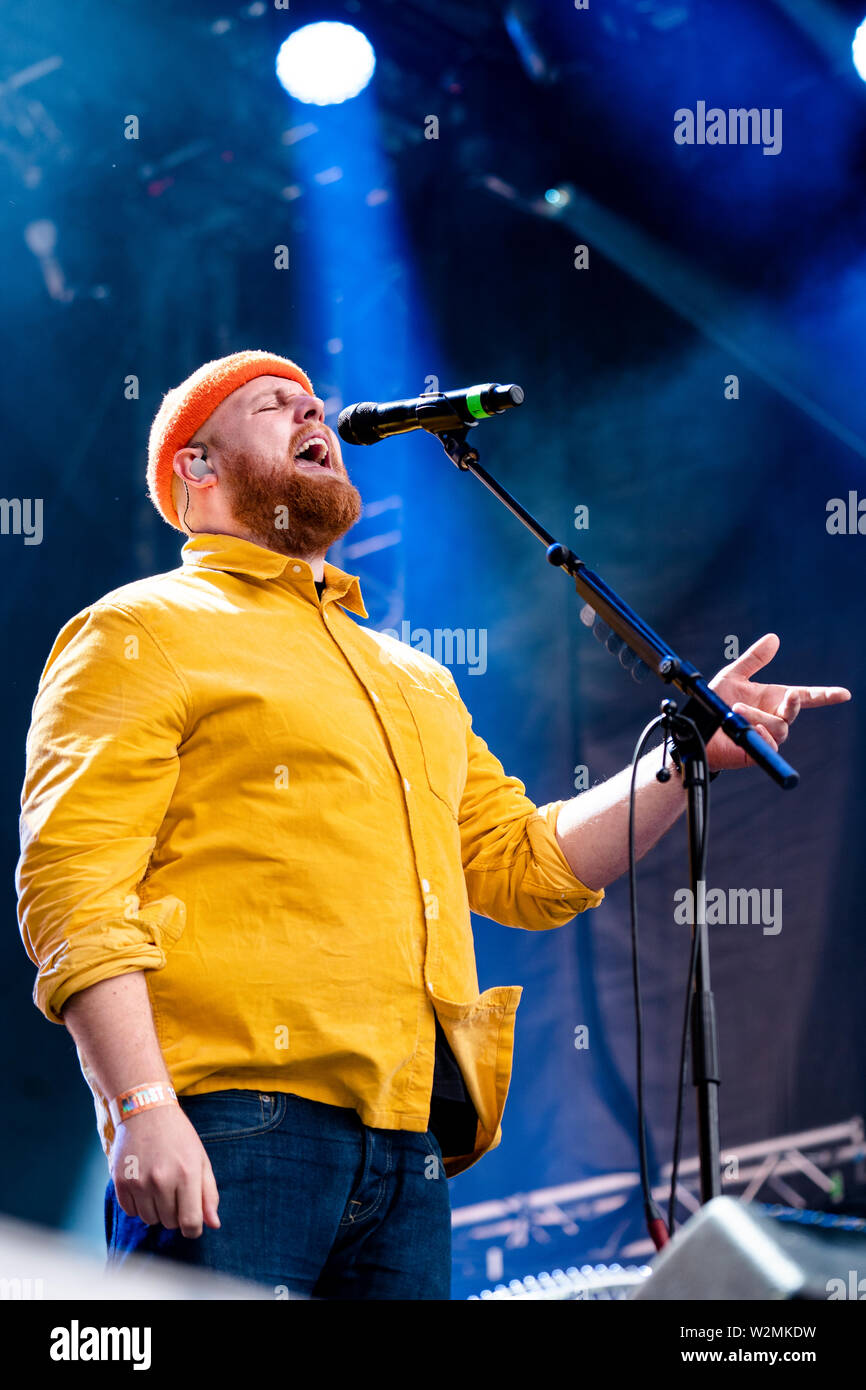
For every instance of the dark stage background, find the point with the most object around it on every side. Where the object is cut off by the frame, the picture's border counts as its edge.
(441, 257)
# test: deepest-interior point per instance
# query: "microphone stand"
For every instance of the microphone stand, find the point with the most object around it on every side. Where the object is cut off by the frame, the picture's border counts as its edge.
(704, 710)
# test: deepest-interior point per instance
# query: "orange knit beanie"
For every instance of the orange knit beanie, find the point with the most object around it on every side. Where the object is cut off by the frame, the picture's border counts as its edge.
(185, 408)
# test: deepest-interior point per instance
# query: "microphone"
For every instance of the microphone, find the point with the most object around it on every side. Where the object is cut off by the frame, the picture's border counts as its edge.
(369, 421)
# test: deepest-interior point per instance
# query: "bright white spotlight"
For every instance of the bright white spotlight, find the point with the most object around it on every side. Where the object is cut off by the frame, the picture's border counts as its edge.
(858, 51)
(326, 63)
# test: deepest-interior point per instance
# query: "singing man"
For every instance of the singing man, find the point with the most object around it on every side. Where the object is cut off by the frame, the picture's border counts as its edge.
(252, 832)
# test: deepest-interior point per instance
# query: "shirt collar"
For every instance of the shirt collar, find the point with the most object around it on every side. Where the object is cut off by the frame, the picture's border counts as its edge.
(210, 550)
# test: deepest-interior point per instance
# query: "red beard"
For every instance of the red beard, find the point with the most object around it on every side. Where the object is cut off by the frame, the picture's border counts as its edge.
(286, 510)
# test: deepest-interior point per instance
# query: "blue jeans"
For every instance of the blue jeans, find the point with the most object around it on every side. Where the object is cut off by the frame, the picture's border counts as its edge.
(312, 1202)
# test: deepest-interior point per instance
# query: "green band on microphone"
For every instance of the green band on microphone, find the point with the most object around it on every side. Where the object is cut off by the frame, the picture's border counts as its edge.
(474, 406)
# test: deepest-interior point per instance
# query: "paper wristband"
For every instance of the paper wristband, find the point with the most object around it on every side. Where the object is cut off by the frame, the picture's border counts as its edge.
(144, 1097)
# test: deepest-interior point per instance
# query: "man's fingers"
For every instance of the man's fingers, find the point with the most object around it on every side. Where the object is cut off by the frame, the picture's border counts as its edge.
(768, 737)
(189, 1204)
(139, 1203)
(209, 1195)
(760, 719)
(814, 696)
(165, 1198)
(789, 706)
(758, 655)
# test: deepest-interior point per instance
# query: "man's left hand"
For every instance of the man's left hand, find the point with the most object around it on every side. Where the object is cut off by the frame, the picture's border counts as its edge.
(772, 709)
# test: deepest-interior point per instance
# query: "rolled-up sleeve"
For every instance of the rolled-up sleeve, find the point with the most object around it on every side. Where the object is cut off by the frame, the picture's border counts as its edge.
(515, 871)
(102, 765)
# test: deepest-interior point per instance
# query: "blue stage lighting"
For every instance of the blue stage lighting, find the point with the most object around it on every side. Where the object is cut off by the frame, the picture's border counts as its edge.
(858, 51)
(325, 63)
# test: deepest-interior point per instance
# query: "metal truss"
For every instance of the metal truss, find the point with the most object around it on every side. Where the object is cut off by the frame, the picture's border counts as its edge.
(804, 1170)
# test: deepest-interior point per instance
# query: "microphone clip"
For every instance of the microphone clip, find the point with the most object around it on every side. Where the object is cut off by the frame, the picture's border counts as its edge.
(454, 443)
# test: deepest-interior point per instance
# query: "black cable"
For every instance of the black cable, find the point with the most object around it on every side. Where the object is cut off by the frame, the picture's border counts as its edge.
(203, 448)
(651, 1211)
(693, 965)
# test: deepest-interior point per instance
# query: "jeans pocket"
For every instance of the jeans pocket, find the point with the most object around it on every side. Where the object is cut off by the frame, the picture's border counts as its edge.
(233, 1114)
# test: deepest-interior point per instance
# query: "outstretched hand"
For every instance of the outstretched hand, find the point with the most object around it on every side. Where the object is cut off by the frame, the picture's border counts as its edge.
(772, 709)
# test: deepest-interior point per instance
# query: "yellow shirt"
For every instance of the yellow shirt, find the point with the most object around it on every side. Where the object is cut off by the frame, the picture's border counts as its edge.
(284, 818)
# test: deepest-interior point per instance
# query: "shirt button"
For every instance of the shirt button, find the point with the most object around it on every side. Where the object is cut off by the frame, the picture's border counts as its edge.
(425, 886)
(296, 569)
(406, 785)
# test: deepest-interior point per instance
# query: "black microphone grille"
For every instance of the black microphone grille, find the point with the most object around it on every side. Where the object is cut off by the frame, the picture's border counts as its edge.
(354, 422)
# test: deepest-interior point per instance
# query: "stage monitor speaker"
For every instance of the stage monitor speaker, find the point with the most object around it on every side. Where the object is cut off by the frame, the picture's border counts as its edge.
(733, 1250)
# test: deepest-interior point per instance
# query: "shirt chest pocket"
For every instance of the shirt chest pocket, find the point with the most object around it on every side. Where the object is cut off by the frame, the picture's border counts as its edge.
(438, 725)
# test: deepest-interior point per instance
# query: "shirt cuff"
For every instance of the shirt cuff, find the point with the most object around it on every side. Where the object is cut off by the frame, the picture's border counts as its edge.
(553, 870)
(112, 946)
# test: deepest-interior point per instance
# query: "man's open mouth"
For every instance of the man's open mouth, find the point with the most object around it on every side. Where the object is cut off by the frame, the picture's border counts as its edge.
(313, 453)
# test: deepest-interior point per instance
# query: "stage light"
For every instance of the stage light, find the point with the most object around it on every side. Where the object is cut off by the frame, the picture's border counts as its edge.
(557, 197)
(41, 237)
(326, 63)
(858, 51)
